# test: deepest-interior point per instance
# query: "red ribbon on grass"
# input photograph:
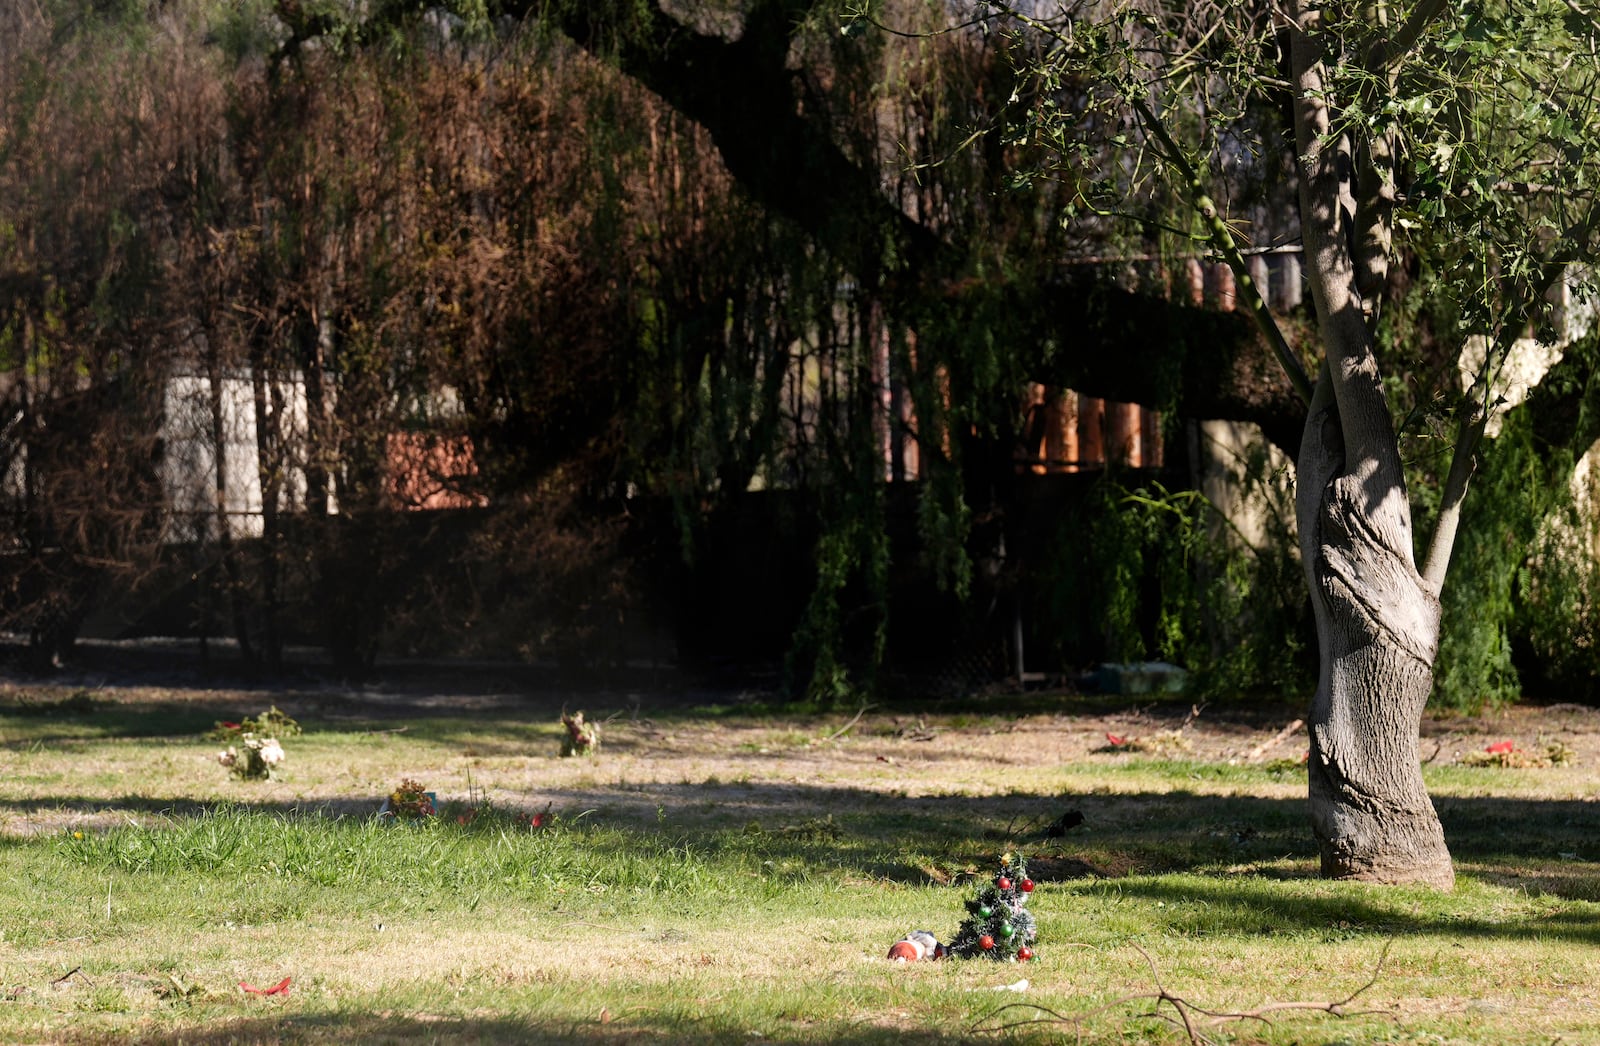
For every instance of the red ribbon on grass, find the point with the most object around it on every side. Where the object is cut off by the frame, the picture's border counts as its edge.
(281, 988)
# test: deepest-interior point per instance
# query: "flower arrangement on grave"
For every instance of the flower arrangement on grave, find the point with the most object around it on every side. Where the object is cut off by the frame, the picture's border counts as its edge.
(998, 925)
(274, 722)
(410, 802)
(1507, 754)
(255, 752)
(253, 758)
(583, 738)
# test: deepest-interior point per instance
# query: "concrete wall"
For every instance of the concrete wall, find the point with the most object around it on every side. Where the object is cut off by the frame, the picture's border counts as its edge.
(189, 468)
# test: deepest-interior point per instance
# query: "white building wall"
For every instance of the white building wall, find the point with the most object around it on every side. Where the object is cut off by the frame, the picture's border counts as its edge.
(189, 466)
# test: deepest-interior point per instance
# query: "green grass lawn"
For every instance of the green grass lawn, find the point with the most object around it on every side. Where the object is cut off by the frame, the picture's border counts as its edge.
(712, 878)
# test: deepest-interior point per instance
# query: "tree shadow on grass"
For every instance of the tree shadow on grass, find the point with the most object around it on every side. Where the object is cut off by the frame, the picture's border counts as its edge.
(460, 703)
(181, 807)
(65, 719)
(494, 724)
(1164, 831)
(379, 1028)
(1251, 905)
(37, 718)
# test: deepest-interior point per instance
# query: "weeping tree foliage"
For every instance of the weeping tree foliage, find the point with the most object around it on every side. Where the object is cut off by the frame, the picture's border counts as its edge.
(1146, 572)
(619, 248)
(856, 296)
(1556, 613)
(349, 230)
(85, 189)
(524, 230)
(1459, 134)
(340, 250)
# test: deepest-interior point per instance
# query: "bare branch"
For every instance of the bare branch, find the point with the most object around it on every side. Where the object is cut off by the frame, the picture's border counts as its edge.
(1188, 1015)
(1469, 433)
(865, 17)
(848, 726)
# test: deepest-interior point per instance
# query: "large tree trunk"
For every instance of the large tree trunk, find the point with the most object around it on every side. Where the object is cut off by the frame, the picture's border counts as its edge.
(1377, 631)
(1377, 617)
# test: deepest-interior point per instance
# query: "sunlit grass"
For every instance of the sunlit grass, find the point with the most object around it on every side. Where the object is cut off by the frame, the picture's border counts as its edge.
(724, 878)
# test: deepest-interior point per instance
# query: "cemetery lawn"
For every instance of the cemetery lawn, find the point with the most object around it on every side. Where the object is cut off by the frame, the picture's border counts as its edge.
(721, 873)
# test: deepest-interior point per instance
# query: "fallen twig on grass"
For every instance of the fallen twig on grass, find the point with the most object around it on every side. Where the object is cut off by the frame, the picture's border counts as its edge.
(1189, 1017)
(1272, 742)
(65, 977)
(845, 729)
(920, 732)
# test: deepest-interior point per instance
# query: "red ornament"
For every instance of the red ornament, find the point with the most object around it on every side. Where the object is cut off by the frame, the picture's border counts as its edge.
(1024, 953)
(1027, 886)
(986, 942)
(1003, 882)
(904, 951)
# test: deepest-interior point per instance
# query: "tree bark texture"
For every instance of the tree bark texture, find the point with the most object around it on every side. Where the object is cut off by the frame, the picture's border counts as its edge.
(1377, 617)
(1378, 631)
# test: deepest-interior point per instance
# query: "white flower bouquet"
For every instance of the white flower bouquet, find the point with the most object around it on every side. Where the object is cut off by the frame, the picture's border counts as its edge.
(253, 758)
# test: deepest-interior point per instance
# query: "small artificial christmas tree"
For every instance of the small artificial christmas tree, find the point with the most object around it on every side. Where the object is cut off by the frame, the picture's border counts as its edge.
(998, 924)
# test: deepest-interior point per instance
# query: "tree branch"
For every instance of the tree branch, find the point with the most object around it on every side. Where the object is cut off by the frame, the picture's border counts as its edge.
(1385, 54)
(1188, 1015)
(1376, 195)
(1469, 433)
(1203, 363)
(1463, 460)
(743, 93)
(1222, 241)
(1371, 452)
(789, 161)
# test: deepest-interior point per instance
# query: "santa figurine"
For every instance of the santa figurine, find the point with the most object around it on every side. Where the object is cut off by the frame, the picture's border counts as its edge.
(918, 944)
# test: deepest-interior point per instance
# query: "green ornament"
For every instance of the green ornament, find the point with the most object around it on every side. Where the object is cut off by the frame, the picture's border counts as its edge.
(985, 912)
(1006, 930)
